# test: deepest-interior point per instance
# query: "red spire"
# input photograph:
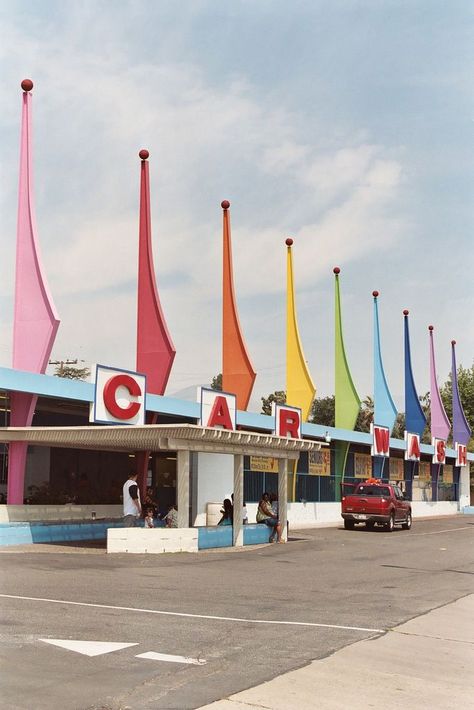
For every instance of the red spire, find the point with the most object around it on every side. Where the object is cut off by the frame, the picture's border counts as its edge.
(155, 349)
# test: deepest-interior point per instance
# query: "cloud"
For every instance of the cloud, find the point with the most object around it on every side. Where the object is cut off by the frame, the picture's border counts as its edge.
(98, 99)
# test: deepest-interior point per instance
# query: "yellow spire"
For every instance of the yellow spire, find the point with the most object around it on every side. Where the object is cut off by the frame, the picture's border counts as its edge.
(300, 389)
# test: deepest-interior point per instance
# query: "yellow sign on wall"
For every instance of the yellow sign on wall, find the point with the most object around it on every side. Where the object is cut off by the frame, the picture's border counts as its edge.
(396, 469)
(264, 463)
(447, 473)
(319, 462)
(424, 471)
(362, 466)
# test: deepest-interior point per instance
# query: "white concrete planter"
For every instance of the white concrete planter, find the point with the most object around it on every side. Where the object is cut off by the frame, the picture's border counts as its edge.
(152, 541)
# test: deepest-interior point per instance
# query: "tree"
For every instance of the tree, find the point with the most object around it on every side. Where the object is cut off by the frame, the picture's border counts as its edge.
(279, 397)
(466, 393)
(71, 373)
(366, 415)
(216, 383)
(323, 411)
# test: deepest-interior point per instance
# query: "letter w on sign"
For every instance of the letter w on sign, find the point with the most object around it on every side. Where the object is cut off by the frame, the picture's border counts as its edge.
(380, 440)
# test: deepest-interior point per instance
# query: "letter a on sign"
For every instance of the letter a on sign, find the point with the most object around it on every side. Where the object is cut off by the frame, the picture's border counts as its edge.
(218, 409)
(412, 444)
(287, 421)
(380, 440)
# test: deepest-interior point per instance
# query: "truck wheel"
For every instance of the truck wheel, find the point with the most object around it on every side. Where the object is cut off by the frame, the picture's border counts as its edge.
(407, 524)
(348, 524)
(391, 524)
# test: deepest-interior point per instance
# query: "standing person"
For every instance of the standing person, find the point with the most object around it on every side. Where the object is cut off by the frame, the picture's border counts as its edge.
(132, 508)
(266, 515)
(227, 513)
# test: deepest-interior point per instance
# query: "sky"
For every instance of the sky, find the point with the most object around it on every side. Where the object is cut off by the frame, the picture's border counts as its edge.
(345, 124)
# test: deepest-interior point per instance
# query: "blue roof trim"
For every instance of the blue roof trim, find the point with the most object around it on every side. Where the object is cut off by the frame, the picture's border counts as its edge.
(63, 388)
(46, 385)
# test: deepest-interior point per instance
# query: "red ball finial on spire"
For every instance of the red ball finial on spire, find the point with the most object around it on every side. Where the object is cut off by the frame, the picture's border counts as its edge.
(144, 154)
(406, 312)
(225, 204)
(453, 342)
(375, 294)
(289, 242)
(337, 270)
(430, 327)
(26, 84)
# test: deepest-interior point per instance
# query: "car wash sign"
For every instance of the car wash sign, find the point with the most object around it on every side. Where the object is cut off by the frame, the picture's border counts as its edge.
(119, 397)
(219, 410)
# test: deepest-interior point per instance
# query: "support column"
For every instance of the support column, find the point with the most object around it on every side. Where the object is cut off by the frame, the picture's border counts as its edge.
(283, 495)
(182, 484)
(238, 531)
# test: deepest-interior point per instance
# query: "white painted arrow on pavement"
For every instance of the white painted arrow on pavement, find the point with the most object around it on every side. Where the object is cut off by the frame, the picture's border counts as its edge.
(153, 656)
(89, 648)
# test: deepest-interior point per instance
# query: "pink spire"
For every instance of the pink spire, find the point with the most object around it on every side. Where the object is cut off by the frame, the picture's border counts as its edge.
(440, 425)
(35, 321)
(155, 349)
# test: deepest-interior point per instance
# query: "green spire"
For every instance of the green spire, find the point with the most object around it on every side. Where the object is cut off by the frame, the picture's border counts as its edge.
(347, 399)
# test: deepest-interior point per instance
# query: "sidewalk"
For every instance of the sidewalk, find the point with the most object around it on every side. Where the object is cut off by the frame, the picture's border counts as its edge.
(426, 662)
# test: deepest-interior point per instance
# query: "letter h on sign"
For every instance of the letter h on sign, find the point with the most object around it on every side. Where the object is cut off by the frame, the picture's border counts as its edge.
(461, 454)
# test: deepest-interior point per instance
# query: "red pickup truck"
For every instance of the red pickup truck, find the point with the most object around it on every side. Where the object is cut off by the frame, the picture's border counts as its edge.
(374, 502)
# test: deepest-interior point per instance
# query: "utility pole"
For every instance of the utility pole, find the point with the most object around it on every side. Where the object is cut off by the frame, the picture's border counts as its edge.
(61, 364)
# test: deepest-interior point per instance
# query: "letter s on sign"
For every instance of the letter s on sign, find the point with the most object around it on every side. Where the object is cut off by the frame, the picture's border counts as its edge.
(110, 396)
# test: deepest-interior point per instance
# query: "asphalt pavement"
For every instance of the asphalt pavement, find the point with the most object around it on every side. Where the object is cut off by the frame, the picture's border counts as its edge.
(191, 629)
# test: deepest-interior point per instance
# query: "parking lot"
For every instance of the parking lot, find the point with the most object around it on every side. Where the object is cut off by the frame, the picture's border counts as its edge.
(190, 629)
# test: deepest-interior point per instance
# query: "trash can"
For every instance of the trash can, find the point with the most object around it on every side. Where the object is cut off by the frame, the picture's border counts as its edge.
(213, 513)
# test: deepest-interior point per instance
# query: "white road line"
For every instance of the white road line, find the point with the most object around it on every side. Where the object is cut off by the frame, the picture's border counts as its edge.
(89, 648)
(194, 616)
(153, 656)
(438, 532)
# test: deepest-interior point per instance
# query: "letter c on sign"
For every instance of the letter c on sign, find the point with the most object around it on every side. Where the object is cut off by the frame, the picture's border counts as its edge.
(110, 396)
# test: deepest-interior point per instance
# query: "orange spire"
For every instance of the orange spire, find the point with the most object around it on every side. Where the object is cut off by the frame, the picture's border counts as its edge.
(238, 374)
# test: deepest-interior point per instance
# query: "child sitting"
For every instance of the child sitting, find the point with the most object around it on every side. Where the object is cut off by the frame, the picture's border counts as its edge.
(149, 523)
(171, 518)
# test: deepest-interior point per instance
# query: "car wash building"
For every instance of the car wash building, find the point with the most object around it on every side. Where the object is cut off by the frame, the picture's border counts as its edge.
(66, 446)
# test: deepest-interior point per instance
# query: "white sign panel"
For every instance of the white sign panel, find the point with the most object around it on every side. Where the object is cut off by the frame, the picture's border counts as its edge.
(439, 454)
(287, 421)
(380, 440)
(218, 409)
(119, 397)
(461, 454)
(412, 446)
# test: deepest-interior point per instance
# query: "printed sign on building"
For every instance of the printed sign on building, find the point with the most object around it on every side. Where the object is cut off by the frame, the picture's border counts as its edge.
(319, 462)
(362, 466)
(264, 463)
(424, 471)
(447, 474)
(218, 409)
(119, 397)
(397, 472)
